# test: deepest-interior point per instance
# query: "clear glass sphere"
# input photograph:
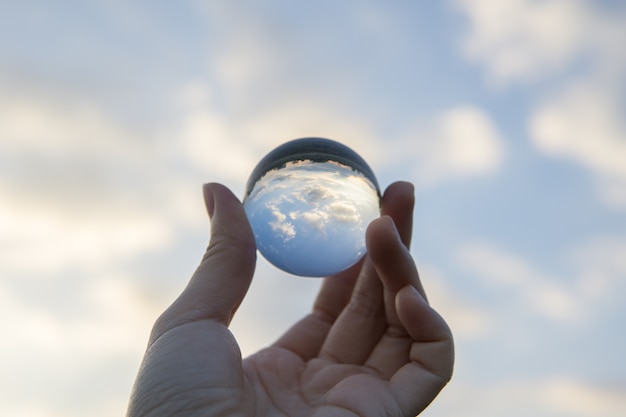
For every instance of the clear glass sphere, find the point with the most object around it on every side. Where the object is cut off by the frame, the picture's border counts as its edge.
(309, 202)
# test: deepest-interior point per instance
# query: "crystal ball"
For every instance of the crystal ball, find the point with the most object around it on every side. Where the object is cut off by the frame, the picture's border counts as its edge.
(309, 202)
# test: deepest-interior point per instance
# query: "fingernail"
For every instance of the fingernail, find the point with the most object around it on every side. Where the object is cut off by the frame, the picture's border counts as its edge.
(209, 200)
(419, 294)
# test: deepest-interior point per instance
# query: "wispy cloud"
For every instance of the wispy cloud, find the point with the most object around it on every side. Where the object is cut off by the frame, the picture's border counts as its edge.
(598, 266)
(66, 195)
(556, 395)
(463, 142)
(522, 39)
(585, 124)
(537, 292)
(530, 42)
(469, 322)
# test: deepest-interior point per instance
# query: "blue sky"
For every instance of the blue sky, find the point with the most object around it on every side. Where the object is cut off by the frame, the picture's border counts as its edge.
(508, 116)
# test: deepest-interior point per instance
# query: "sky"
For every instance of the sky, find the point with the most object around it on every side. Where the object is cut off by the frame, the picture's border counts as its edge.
(509, 117)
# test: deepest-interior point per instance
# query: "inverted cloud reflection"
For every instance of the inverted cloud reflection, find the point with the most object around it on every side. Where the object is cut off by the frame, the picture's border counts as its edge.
(309, 218)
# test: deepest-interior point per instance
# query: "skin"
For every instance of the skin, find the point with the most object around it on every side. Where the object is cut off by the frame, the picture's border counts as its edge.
(372, 345)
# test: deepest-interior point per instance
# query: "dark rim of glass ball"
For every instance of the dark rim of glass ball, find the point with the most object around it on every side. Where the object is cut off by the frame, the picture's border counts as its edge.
(311, 149)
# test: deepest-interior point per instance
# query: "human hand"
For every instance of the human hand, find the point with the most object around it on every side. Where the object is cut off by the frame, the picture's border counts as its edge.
(372, 346)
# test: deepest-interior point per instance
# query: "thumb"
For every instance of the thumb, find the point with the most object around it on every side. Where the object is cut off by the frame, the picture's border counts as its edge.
(221, 281)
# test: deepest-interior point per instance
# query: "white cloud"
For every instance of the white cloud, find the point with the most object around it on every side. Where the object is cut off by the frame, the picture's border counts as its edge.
(51, 353)
(249, 56)
(312, 116)
(97, 331)
(261, 74)
(530, 287)
(470, 140)
(524, 39)
(597, 269)
(40, 240)
(585, 124)
(579, 41)
(313, 194)
(316, 218)
(554, 395)
(281, 225)
(70, 187)
(265, 95)
(577, 398)
(214, 147)
(226, 147)
(81, 194)
(463, 142)
(344, 211)
(60, 127)
(67, 163)
(468, 322)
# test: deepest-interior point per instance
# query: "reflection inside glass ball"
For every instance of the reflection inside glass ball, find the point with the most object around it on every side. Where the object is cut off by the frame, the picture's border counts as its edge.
(310, 207)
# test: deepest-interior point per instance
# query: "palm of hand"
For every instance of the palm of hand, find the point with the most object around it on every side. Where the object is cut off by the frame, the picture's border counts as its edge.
(371, 347)
(358, 359)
